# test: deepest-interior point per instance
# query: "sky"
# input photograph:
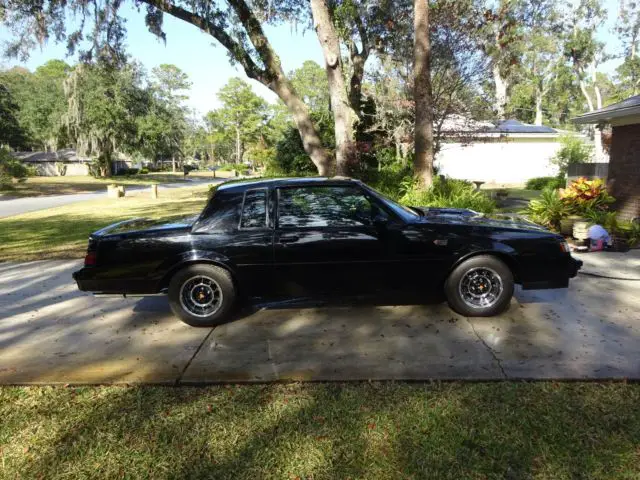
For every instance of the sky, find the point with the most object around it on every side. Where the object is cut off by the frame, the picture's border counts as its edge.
(194, 52)
(207, 63)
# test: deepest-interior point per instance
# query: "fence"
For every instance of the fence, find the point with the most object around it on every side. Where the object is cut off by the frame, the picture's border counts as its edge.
(588, 170)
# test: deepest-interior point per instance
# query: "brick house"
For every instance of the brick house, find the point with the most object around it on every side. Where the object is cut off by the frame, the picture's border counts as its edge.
(623, 179)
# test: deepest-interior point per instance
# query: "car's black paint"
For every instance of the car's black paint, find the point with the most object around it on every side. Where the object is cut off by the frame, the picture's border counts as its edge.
(394, 251)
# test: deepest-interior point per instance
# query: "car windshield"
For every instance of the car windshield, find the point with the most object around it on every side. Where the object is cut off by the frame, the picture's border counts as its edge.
(405, 213)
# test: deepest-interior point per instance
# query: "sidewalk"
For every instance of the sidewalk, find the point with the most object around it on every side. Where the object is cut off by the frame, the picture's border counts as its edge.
(611, 264)
(52, 333)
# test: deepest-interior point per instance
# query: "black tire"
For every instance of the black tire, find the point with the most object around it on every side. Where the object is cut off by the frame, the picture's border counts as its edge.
(221, 281)
(492, 272)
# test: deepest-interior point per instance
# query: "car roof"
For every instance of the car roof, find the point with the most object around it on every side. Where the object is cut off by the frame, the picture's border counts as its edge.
(241, 185)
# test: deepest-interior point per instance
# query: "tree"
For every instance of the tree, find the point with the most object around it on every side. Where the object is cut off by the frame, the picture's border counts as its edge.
(499, 38)
(628, 30)
(220, 141)
(423, 96)
(41, 102)
(162, 130)
(11, 132)
(243, 112)
(46, 104)
(585, 53)
(235, 25)
(344, 114)
(310, 83)
(104, 107)
(541, 58)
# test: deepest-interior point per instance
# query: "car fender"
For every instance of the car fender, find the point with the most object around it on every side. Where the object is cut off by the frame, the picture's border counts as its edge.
(504, 252)
(168, 268)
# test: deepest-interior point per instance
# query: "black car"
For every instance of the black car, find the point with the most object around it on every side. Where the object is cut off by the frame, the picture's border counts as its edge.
(297, 237)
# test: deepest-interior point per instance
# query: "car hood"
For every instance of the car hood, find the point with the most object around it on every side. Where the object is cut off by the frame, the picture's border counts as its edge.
(461, 216)
(146, 225)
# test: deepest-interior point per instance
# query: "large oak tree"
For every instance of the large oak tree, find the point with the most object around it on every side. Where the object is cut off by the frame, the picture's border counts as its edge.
(235, 24)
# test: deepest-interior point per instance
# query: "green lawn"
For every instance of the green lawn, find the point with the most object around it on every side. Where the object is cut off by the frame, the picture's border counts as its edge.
(333, 431)
(62, 232)
(42, 186)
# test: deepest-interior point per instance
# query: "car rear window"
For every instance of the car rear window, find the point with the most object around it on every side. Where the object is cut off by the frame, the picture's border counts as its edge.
(254, 209)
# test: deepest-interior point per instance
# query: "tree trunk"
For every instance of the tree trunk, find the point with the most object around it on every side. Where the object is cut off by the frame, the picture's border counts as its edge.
(272, 75)
(539, 95)
(310, 138)
(501, 85)
(423, 96)
(238, 154)
(344, 117)
(173, 163)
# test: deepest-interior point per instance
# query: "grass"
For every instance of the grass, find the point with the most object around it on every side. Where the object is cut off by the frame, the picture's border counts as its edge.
(334, 431)
(62, 232)
(42, 186)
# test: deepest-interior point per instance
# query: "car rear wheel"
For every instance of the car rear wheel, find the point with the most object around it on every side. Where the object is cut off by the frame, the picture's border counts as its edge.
(202, 295)
(480, 287)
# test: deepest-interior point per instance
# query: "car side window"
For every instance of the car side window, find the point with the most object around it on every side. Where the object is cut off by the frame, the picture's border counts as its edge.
(324, 207)
(254, 209)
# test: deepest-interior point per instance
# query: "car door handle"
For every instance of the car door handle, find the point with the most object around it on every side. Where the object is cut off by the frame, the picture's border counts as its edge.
(289, 239)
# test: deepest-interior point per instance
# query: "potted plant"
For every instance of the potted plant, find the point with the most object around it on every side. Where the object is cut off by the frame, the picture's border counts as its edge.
(502, 194)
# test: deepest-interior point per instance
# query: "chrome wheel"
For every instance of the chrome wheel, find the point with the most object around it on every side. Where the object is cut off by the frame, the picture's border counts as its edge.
(201, 296)
(480, 287)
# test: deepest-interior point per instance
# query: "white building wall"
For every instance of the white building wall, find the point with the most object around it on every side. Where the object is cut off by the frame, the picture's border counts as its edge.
(504, 162)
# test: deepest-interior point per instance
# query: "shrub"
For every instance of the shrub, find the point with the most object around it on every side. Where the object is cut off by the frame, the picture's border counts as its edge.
(10, 168)
(447, 192)
(631, 230)
(572, 150)
(127, 171)
(389, 179)
(541, 183)
(61, 168)
(584, 196)
(31, 170)
(144, 171)
(548, 209)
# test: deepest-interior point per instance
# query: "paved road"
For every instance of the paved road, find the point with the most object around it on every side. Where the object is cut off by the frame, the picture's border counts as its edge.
(52, 333)
(17, 206)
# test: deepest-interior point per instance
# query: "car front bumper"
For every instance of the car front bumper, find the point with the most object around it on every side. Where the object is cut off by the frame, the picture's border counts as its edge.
(574, 266)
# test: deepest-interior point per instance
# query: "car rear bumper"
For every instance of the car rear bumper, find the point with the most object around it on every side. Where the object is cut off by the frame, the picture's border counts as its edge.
(91, 279)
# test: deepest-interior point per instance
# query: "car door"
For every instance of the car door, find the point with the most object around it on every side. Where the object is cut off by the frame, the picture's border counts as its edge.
(326, 241)
(241, 230)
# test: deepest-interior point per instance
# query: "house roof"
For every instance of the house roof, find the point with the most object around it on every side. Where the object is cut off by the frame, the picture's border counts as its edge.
(627, 107)
(515, 126)
(64, 155)
(458, 124)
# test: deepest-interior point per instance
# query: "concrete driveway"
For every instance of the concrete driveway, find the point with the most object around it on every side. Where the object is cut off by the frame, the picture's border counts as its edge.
(16, 206)
(52, 333)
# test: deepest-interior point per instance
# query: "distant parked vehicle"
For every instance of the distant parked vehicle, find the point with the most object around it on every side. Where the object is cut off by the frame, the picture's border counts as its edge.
(286, 238)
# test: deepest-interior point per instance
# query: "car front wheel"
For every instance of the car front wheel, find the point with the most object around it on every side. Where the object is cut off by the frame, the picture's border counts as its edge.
(202, 295)
(481, 286)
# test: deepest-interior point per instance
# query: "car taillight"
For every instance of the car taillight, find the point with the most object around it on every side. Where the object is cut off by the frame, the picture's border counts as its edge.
(564, 246)
(90, 259)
